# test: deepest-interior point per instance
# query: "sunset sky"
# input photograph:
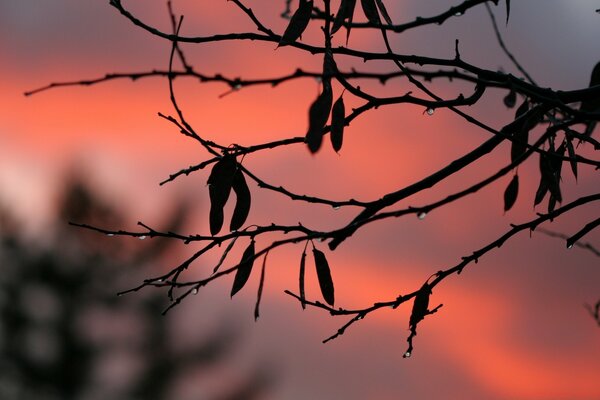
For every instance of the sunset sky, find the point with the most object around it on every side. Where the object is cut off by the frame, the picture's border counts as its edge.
(512, 326)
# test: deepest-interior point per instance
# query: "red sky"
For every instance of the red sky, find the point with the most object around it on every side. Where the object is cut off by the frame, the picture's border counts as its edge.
(512, 326)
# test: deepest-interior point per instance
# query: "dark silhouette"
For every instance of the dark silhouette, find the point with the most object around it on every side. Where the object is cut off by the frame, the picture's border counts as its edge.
(552, 126)
(61, 322)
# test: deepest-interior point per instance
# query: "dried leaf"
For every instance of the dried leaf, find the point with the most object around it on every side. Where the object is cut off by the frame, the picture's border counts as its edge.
(324, 275)
(511, 192)
(338, 115)
(317, 117)
(510, 100)
(370, 10)
(384, 12)
(301, 279)
(298, 23)
(244, 268)
(242, 205)
(420, 305)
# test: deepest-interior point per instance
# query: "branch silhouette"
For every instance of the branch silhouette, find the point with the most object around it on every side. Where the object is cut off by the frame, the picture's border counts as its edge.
(548, 123)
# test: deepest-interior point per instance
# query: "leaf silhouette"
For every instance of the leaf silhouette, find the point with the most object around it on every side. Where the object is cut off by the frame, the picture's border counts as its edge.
(317, 117)
(244, 269)
(420, 305)
(507, 10)
(219, 188)
(301, 279)
(298, 23)
(370, 10)
(345, 12)
(338, 115)
(384, 12)
(324, 275)
(242, 205)
(511, 192)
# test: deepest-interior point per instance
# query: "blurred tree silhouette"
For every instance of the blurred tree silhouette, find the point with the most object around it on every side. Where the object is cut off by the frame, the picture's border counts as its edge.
(65, 335)
(553, 126)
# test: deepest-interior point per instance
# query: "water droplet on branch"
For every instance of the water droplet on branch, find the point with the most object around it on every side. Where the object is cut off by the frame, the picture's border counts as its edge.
(430, 111)
(407, 354)
(422, 215)
(141, 237)
(110, 234)
(458, 14)
(195, 291)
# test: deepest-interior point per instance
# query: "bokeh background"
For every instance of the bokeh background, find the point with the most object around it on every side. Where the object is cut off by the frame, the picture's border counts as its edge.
(512, 326)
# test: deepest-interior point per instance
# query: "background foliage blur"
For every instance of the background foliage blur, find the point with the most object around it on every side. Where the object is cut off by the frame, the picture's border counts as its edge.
(65, 335)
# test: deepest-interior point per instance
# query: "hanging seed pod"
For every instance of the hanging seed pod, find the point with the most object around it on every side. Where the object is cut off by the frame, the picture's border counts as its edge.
(301, 279)
(324, 276)
(511, 192)
(370, 10)
(243, 201)
(298, 23)
(346, 12)
(338, 115)
(384, 12)
(219, 188)
(318, 115)
(420, 305)
(244, 269)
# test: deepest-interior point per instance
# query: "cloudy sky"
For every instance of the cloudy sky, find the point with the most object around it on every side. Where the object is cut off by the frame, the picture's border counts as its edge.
(512, 326)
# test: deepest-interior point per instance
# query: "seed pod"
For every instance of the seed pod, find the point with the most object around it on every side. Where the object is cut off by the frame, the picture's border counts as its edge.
(318, 115)
(370, 10)
(243, 201)
(244, 269)
(220, 181)
(345, 12)
(301, 279)
(338, 115)
(511, 192)
(572, 157)
(420, 305)
(298, 23)
(384, 12)
(324, 275)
